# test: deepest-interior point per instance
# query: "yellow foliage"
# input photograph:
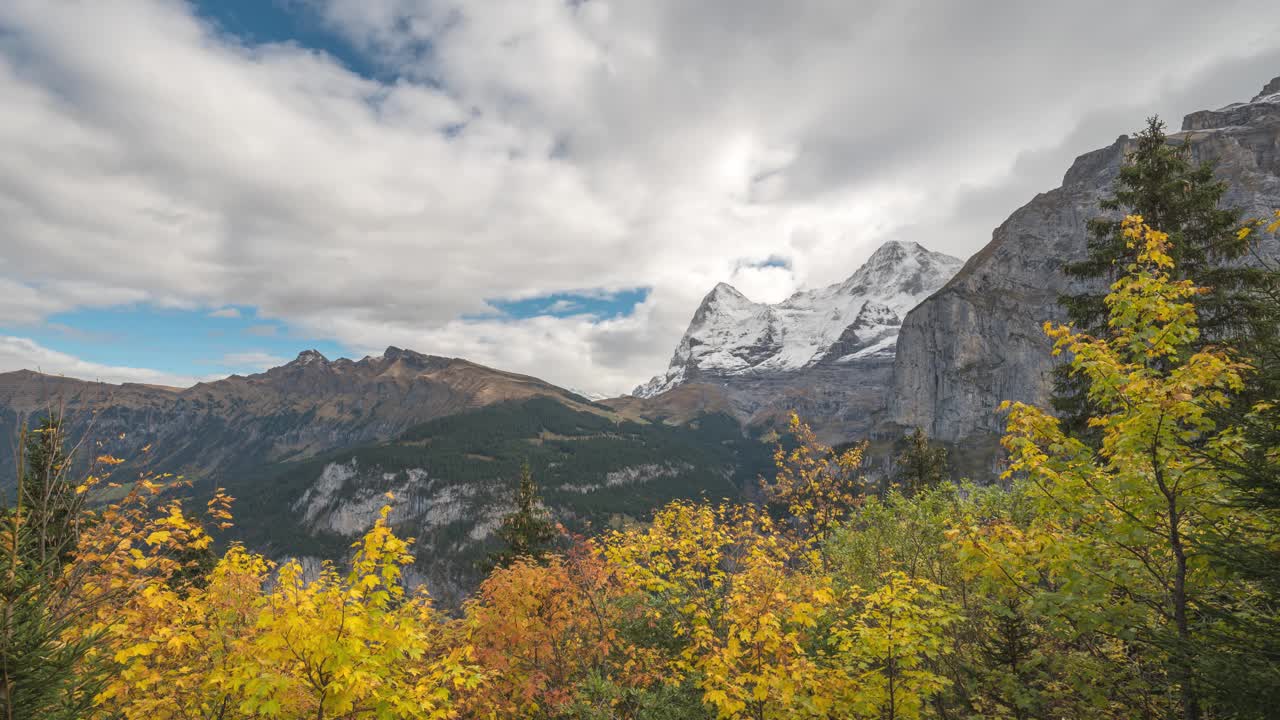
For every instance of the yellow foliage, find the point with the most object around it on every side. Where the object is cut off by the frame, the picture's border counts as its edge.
(816, 484)
(242, 643)
(764, 632)
(1123, 527)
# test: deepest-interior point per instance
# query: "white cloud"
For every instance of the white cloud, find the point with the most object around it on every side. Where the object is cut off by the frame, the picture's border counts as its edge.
(17, 353)
(252, 360)
(768, 284)
(226, 312)
(610, 145)
(562, 306)
(262, 330)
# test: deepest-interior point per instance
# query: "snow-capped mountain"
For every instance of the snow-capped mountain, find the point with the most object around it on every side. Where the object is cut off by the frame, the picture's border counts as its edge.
(850, 321)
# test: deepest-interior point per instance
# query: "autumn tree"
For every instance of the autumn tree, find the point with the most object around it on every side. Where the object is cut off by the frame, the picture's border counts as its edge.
(758, 658)
(1003, 656)
(1029, 644)
(550, 639)
(179, 645)
(126, 562)
(883, 652)
(244, 644)
(716, 583)
(816, 484)
(763, 631)
(1138, 509)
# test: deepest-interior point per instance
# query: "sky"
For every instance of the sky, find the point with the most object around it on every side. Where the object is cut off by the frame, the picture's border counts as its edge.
(193, 189)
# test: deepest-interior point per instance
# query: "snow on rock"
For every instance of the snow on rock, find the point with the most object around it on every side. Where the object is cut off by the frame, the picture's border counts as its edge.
(884, 347)
(731, 335)
(588, 394)
(307, 357)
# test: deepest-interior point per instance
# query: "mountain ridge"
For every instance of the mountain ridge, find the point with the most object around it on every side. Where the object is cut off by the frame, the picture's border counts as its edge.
(305, 407)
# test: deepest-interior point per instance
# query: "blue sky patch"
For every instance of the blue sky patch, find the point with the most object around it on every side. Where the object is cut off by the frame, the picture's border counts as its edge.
(602, 304)
(182, 342)
(777, 261)
(260, 22)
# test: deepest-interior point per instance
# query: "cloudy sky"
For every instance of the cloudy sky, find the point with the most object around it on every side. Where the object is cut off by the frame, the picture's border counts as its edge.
(189, 189)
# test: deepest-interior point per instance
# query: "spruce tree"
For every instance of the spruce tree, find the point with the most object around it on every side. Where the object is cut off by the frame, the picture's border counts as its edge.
(1246, 678)
(42, 674)
(920, 465)
(1160, 182)
(527, 531)
(46, 495)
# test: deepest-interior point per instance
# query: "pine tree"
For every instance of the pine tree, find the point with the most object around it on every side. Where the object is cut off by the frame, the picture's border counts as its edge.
(920, 465)
(1161, 184)
(1246, 680)
(46, 496)
(42, 673)
(526, 532)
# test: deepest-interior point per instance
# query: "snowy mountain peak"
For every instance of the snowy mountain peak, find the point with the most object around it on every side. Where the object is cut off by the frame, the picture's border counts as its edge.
(724, 300)
(724, 288)
(725, 295)
(896, 249)
(856, 319)
(907, 267)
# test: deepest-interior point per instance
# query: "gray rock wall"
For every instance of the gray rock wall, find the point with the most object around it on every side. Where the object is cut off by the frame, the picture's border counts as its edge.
(978, 340)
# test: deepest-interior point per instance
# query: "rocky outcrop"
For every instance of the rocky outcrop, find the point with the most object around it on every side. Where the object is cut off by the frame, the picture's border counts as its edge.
(346, 499)
(978, 341)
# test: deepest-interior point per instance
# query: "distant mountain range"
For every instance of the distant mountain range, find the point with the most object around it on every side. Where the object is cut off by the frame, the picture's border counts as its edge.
(731, 336)
(310, 448)
(297, 410)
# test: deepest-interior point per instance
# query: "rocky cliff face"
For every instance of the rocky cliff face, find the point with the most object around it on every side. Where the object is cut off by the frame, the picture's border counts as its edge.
(978, 340)
(827, 353)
